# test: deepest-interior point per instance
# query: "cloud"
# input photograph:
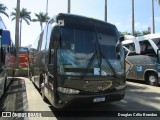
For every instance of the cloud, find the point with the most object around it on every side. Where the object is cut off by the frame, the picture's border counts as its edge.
(141, 26)
(157, 19)
(128, 27)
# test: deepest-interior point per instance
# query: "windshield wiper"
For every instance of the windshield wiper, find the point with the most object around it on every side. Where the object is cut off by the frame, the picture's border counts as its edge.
(100, 55)
(89, 64)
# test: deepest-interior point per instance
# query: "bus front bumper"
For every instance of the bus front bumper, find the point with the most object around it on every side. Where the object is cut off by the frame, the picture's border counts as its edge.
(107, 97)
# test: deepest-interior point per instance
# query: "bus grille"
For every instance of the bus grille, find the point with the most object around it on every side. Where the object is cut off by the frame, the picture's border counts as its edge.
(97, 86)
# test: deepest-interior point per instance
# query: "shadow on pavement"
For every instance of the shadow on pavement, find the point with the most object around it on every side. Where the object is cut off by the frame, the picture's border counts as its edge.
(15, 98)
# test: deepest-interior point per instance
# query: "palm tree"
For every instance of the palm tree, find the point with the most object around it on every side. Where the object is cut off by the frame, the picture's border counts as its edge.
(105, 11)
(17, 33)
(41, 17)
(153, 24)
(69, 6)
(159, 2)
(24, 15)
(133, 17)
(3, 9)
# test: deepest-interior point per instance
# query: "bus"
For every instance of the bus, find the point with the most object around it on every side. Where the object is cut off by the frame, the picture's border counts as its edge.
(143, 58)
(78, 59)
(23, 57)
(7, 60)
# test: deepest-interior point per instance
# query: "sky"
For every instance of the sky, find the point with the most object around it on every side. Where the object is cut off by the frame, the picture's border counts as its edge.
(119, 14)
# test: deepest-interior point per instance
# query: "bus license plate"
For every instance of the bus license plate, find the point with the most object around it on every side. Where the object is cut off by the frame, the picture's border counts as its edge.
(99, 99)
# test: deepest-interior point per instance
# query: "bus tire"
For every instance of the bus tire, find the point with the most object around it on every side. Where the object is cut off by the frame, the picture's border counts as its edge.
(152, 79)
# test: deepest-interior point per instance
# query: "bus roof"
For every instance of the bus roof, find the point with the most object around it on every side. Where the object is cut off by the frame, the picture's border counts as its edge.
(151, 36)
(128, 39)
(65, 15)
(82, 22)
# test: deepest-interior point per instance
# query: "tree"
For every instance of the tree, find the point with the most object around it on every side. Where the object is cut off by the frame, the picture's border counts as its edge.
(17, 33)
(133, 18)
(41, 17)
(153, 23)
(24, 15)
(105, 11)
(125, 33)
(69, 6)
(145, 32)
(159, 2)
(3, 9)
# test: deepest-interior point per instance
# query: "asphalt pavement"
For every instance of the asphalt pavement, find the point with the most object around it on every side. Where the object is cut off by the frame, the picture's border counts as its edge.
(22, 97)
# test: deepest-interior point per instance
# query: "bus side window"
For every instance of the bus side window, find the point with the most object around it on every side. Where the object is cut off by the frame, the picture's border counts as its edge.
(147, 49)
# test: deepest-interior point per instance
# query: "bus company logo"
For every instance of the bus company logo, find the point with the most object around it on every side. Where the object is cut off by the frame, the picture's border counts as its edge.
(6, 114)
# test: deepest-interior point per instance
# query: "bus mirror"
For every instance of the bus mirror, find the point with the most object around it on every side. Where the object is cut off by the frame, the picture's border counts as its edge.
(121, 38)
(158, 56)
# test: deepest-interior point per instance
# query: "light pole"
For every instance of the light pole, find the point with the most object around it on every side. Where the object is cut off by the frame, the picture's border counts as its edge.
(17, 33)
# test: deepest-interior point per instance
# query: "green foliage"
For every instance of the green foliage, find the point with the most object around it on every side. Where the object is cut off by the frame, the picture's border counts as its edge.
(24, 15)
(41, 17)
(3, 9)
(137, 33)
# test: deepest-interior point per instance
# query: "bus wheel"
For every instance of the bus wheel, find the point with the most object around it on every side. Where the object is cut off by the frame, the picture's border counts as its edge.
(152, 79)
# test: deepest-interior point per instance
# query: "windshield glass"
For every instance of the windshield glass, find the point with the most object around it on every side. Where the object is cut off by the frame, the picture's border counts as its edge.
(78, 46)
(157, 42)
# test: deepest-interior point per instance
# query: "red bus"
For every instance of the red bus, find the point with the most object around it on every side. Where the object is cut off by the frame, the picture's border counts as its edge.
(23, 57)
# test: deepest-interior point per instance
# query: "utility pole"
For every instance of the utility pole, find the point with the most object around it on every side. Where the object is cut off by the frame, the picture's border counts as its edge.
(133, 17)
(153, 24)
(105, 11)
(17, 33)
(69, 6)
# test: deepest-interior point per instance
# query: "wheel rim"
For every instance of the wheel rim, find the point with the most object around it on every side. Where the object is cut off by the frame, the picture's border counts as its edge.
(152, 79)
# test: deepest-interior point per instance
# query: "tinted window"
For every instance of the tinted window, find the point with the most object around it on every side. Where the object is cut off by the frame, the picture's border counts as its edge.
(157, 42)
(146, 48)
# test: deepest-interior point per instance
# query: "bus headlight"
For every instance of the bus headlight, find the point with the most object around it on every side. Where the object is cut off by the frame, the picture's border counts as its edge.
(120, 87)
(68, 90)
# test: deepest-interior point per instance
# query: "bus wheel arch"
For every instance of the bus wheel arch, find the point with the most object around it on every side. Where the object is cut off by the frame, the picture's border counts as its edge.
(151, 78)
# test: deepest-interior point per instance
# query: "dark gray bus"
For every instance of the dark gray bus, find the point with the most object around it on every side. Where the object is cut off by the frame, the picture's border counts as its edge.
(143, 58)
(80, 59)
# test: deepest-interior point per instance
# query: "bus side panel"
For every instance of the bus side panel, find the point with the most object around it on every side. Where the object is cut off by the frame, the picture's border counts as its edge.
(38, 68)
(140, 64)
(132, 74)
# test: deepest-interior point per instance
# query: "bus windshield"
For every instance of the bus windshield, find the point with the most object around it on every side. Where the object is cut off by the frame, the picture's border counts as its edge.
(78, 46)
